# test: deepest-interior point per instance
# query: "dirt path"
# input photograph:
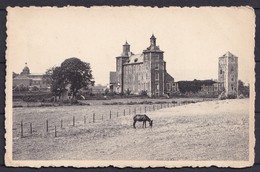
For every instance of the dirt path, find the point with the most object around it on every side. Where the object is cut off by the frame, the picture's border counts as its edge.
(201, 131)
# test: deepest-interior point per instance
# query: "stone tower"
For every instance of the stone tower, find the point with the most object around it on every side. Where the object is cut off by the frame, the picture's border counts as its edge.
(228, 73)
(155, 68)
(120, 60)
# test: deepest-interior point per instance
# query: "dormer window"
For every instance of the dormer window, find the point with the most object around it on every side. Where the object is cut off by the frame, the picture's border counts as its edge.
(136, 59)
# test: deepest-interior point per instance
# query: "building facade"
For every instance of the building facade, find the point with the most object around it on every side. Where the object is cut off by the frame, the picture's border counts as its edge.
(228, 73)
(28, 80)
(143, 72)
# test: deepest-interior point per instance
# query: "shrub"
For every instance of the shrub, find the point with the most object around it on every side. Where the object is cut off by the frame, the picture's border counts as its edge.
(143, 93)
(174, 102)
(222, 96)
(231, 96)
(128, 91)
(241, 96)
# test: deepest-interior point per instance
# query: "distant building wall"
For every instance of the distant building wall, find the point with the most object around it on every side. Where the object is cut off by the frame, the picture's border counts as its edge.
(30, 80)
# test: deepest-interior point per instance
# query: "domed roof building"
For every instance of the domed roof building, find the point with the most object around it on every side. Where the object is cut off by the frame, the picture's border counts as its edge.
(30, 81)
(26, 70)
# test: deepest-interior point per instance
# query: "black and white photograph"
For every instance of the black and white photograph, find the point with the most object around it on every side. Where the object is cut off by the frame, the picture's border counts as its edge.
(130, 86)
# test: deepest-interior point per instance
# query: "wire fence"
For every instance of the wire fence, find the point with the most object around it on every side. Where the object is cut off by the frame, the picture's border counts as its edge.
(54, 128)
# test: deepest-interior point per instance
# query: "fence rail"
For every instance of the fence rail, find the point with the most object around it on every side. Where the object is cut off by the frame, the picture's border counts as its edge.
(112, 114)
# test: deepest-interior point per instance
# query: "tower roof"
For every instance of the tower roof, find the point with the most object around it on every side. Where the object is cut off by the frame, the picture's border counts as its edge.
(153, 37)
(126, 43)
(26, 68)
(229, 54)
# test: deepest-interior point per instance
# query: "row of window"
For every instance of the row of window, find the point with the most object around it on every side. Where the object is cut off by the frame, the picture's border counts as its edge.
(171, 86)
(140, 67)
(139, 86)
(139, 77)
(222, 72)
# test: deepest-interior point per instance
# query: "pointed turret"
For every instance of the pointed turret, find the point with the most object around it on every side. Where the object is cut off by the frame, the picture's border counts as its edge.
(153, 40)
(126, 49)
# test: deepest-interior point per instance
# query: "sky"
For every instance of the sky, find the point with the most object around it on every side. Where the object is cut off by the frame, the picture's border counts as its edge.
(192, 38)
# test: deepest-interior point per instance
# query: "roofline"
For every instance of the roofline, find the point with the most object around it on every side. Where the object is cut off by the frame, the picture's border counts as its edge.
(132, 63)
(153, 51)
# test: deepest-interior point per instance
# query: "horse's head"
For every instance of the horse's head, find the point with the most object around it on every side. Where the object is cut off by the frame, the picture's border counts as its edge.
(151, 123)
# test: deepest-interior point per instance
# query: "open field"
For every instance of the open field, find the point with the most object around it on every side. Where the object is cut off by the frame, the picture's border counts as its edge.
(211, 130)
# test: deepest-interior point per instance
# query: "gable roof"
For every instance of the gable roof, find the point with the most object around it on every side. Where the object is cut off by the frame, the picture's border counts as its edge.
(168, 77)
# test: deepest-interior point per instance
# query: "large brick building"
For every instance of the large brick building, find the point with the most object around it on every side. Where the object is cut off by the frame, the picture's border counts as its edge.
(142, 72)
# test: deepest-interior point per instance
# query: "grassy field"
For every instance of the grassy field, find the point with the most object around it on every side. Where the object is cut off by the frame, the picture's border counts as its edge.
(213, 130)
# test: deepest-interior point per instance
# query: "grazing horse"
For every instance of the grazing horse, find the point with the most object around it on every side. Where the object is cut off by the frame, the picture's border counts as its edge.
(143, 118)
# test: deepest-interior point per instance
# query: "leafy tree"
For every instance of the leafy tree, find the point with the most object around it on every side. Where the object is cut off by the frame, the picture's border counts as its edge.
(242, 89)
(73, 73)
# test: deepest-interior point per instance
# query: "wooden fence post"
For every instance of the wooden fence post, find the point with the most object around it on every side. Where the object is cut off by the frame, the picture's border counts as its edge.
(84, 119)
(161, 105)
(30, 128)
(135, 110)
(93, 117)
(110, 115)
(47, 126)
(61, 123)
(129, 111)
(140, 109)
(117, 114)
(153, 107)
(145, 109)
(102, 117)
(73, 121)
(21, 128)
(124, 112)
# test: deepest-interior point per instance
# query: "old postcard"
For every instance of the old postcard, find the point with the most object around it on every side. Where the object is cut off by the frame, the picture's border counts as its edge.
(130, 86)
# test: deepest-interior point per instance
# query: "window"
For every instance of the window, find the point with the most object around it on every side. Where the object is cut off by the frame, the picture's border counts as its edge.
(157, 66)
(220, 71)
(232, 87)
(156, 87)
(168, 86)
(157, 76)
(215, 87)
(232, 69)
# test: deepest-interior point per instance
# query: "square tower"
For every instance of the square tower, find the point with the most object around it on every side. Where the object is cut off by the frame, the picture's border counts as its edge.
(228, 73)
(153, 58)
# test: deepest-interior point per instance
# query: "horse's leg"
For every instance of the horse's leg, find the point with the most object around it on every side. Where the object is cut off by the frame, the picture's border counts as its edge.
(134, 124)
(145, 124)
